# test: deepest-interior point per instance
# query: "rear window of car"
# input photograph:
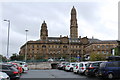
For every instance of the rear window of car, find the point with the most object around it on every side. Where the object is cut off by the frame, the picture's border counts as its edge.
(76, 64)
(5, 67)
(95, 64)
(21, 63)
(13, 68)
(73, 64)
(81, 65)
(87, 65)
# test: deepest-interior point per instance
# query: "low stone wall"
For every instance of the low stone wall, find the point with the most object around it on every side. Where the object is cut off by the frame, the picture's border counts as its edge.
(40, 65)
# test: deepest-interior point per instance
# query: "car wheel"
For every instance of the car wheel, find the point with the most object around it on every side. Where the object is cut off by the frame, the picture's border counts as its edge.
(22, 70)
(96, 73)
(110, 76)
(86, 73)
(77, 72)
(71, 69)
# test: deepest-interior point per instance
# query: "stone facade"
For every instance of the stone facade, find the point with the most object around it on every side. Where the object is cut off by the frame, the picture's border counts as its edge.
(101, 46)
(64, 46)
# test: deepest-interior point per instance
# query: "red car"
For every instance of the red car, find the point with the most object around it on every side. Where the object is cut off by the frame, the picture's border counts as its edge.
(17, 67)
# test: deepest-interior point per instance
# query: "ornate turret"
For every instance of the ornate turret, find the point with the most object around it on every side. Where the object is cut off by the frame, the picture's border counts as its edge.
(44, 31)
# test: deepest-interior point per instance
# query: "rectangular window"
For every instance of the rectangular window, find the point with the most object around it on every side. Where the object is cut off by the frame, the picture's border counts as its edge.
(32, 46)
(102, 46)
(103, 52)
(107, 46)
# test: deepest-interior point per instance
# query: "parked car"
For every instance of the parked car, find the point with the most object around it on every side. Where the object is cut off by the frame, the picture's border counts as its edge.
(76, 67)
(69, 66)
(92, 68)
(60, 65)
(51, 60)
(24, 65)
(64, 65)
(10, 71)
(17, 66)
(62, 59)
(4, 76)
(113, 58)
(109, 70)
(82, 67)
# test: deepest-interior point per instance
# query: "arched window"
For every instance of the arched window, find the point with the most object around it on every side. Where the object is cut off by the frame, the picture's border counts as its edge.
(43, 46)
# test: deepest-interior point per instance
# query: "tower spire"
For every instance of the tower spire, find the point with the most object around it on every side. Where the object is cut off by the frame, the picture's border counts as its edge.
(73, 11)
(44, 21)
(73, 24)
(44, 31)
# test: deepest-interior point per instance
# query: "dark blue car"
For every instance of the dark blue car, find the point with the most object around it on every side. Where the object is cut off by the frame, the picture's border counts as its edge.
(109, 70)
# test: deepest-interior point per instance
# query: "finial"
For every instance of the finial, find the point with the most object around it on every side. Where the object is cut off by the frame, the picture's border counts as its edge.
(44, 21)
(73, 6)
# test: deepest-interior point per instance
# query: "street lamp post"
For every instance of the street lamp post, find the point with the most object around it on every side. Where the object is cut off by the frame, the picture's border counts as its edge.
(82, 52)
(26, 46)
(70, 48)
(8, 38)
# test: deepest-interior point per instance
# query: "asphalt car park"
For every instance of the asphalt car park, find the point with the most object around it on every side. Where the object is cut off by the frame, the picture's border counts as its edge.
(53, 73)
(100, 70)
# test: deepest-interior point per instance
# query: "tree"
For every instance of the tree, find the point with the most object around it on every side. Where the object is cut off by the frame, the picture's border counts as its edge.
(73, 59)
(17, 57)
(20, 57)
(3, 58)
(14, 57)
(117, 51)
(98, 56)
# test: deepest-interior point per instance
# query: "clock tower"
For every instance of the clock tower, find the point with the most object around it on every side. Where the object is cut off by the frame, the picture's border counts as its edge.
(44, 31)
(73, 24)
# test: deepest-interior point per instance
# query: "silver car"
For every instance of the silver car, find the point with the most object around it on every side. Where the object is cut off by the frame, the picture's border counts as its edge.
(4, 76)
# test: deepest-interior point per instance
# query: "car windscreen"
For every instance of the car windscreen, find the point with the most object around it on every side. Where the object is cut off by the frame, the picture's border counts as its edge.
(67, 63)
(13, 68)
(63, 63)
(95, 64)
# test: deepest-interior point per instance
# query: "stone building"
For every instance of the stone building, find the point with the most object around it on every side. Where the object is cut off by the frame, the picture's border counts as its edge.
(100, 46)
(63, 46)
